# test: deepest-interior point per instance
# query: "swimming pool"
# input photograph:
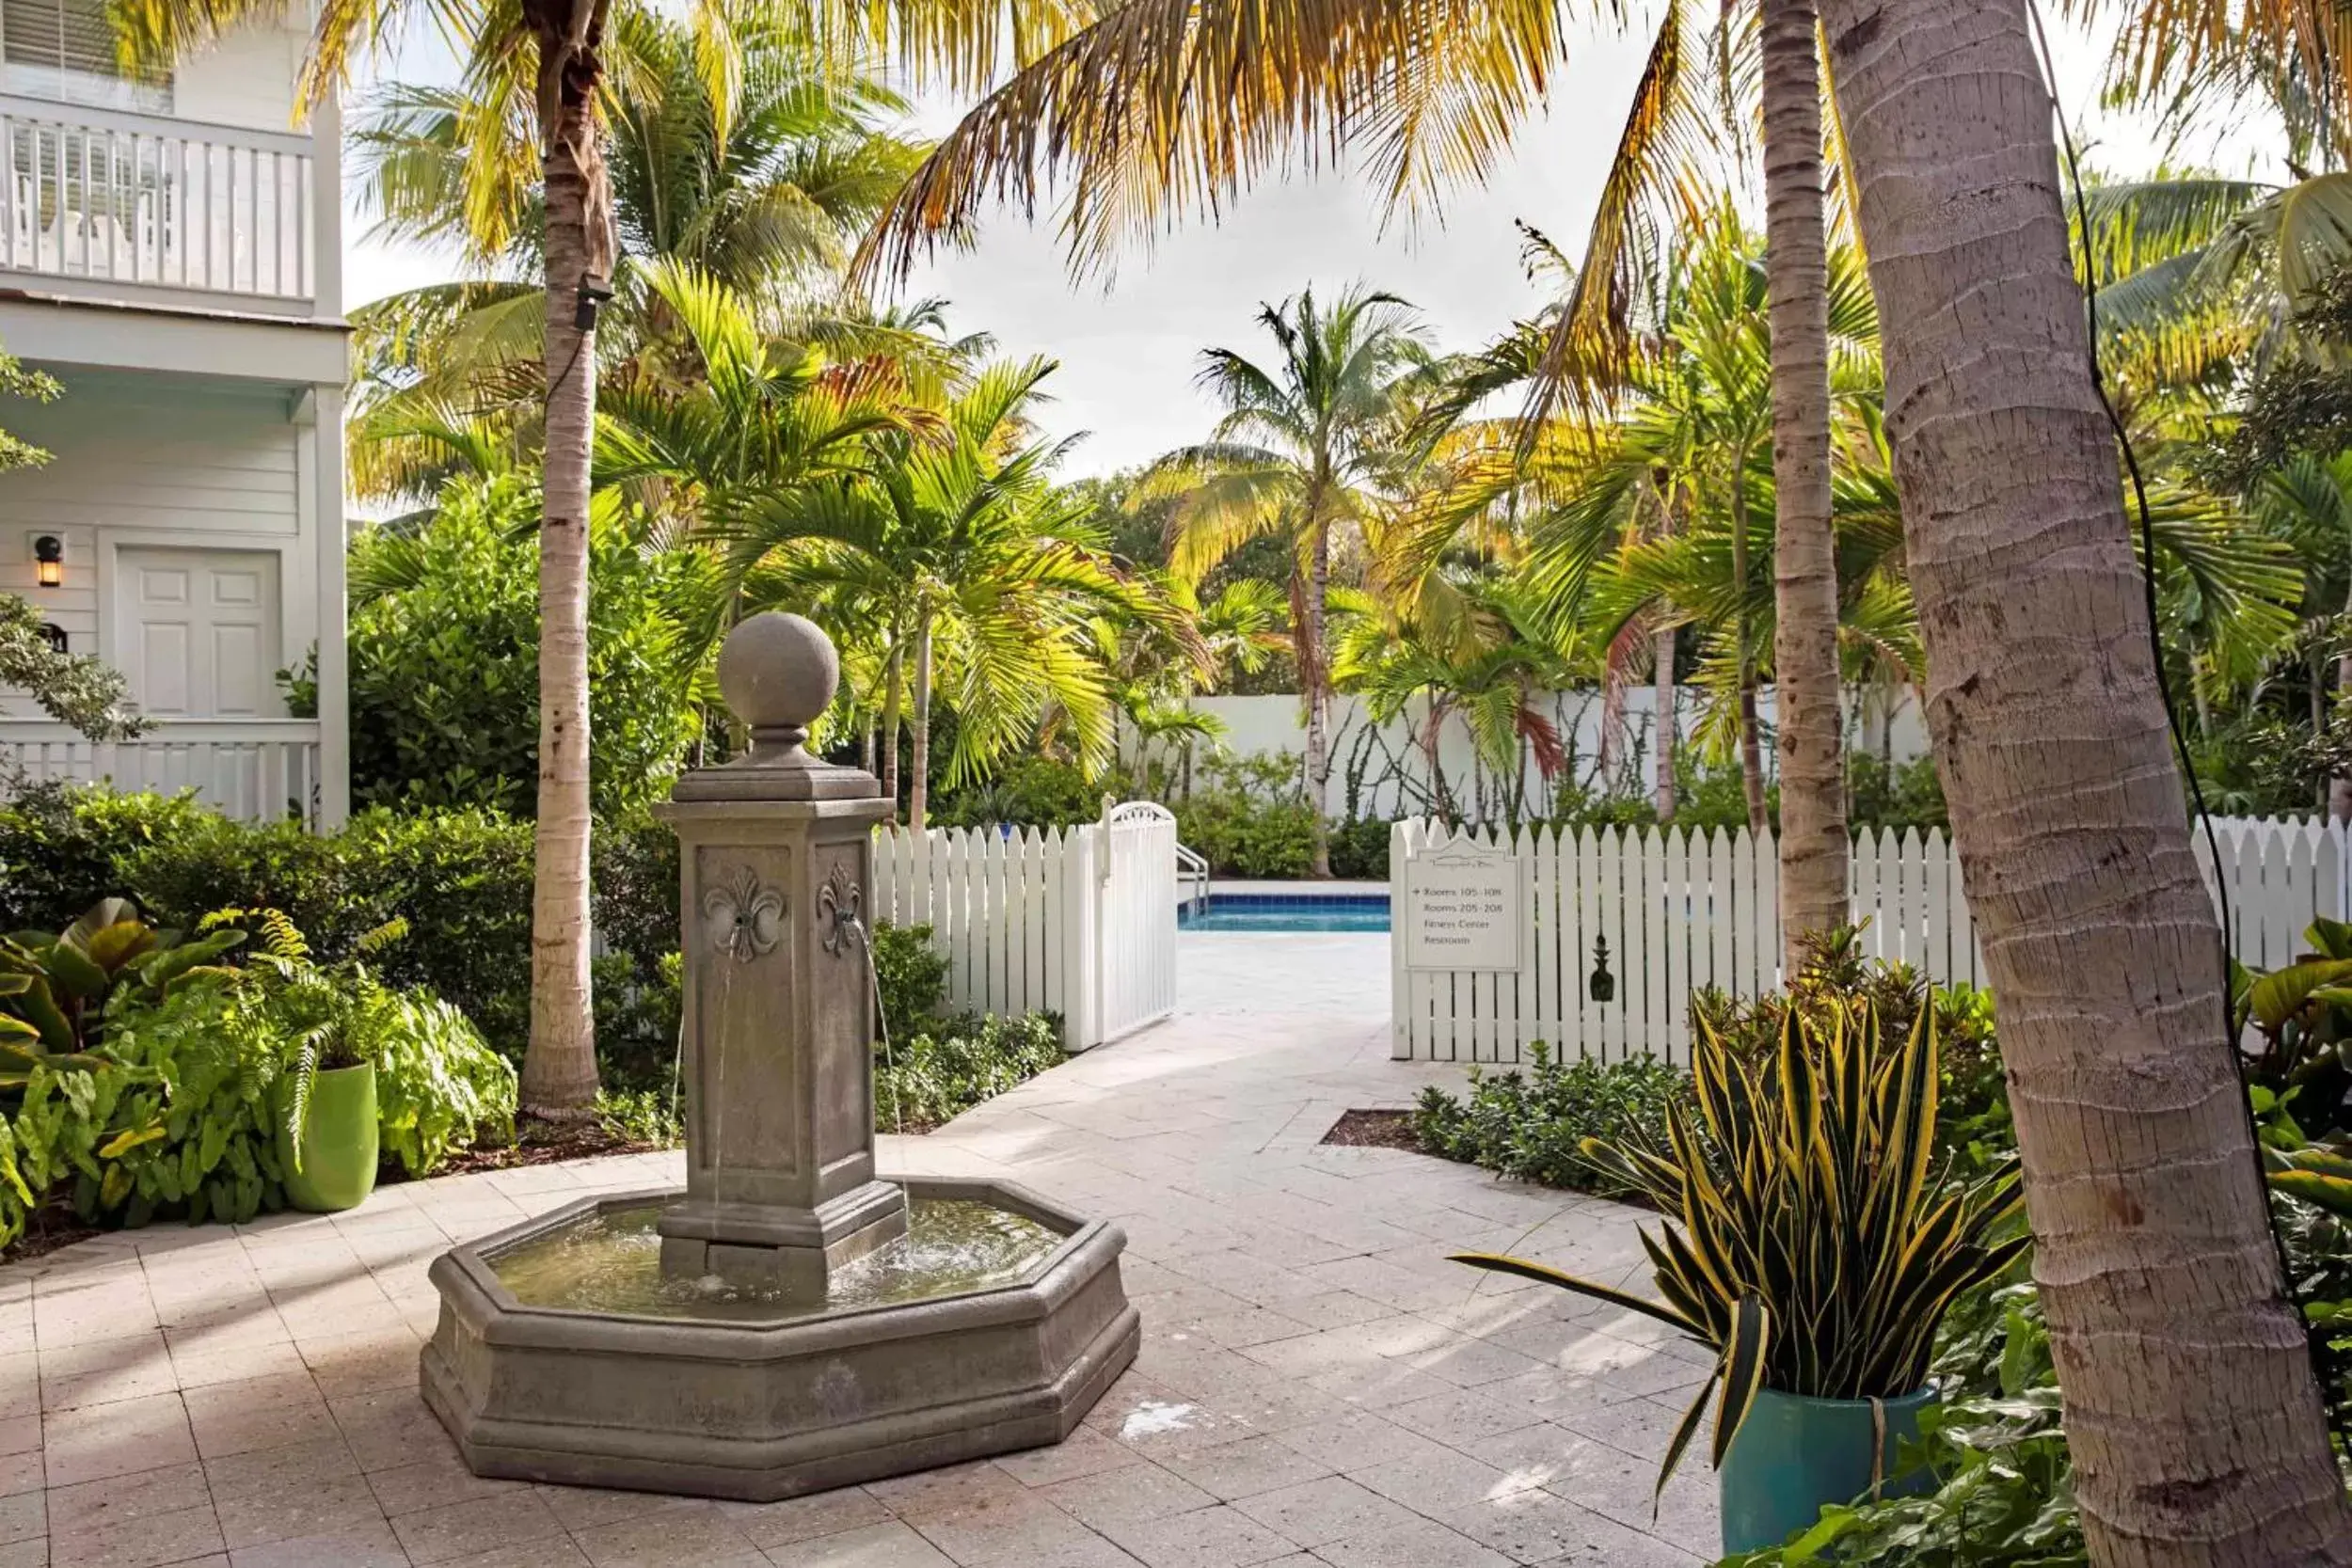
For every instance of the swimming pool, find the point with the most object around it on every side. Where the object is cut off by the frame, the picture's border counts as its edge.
(1284, 912)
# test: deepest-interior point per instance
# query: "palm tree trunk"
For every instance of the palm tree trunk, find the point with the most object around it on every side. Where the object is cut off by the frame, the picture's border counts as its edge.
(559, 1074)
(919, 786)
(1751, 745)
(2194, 1422)
(1318, 698)
(894, 691)
(1813, 847)
(1661, 644)
(2339, 787)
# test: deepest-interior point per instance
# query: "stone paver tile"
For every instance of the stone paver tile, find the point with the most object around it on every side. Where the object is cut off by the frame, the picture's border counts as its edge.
(20, 1381)
(1014, 1531)
(140, 1543)
(276, 1469)
(1246, 1468)
(932, 1494)
(768, 1526)
(26, 1554)
(1472, 1363)
(890, 1545)
(1641, 1426)
(389, 1428)
(22, 1517)
(1219, 1536)
(260, 1412)
(683, 1537)
(1542, 1527)
(1139, 1492)
(94, 1505)
(103, 1370)
(1335, 1309)
(1461, 1416)
(368, 1363)
(116, 1440)
(586, 1507)
(555, 1552)
(1432, 1486)
(1316, 1513)
(434, 1479)
(1423, 1544)
(293, 1510)
(359, 1547)
(1085, 1452)
(236, 1364)
(469, 1528)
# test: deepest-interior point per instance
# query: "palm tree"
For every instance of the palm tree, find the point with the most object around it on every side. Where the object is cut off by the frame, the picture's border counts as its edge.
(1300, 455)
(1813, 842)
(2195, 1425)
(982, 576)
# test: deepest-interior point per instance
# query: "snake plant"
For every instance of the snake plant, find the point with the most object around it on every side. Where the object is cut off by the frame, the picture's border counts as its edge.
(1809, 1238)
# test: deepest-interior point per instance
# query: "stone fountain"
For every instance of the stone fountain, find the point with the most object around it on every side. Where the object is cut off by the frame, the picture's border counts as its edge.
(791, 1321)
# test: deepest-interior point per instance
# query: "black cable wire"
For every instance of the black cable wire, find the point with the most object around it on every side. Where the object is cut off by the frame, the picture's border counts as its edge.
(2163, 686)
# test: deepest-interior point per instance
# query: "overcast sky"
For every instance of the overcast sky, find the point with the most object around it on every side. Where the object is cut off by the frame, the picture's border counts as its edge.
(1128, 353)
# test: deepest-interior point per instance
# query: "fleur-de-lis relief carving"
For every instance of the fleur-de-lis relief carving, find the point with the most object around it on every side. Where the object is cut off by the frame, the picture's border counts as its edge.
(743, 919)
(839, 905)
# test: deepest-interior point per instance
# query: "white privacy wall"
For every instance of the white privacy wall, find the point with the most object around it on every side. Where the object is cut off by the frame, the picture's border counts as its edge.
(1267, 727)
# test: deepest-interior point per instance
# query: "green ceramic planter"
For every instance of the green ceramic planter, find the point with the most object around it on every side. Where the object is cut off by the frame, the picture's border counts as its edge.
(1794, 1454)
(338, 1141)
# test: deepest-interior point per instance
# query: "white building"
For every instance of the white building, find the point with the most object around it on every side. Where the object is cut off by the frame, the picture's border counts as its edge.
(171, 251)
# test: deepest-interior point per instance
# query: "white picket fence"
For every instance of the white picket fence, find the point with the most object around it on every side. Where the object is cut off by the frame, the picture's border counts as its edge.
(1079, 921)
(1682, 911)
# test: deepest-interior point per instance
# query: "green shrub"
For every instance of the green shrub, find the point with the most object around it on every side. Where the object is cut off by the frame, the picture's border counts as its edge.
(175, 1109)
(948, 1065)
(1359, 849)
(1032, 792)
(445, 660)
(62, 848)
(1530, 1125)
(910, 975)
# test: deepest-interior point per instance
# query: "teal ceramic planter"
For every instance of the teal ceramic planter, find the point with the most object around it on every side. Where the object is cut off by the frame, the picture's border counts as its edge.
(1794, 1454)
(338, 1141)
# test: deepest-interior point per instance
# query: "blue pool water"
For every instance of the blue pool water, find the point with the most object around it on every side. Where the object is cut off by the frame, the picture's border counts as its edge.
(1270, 911)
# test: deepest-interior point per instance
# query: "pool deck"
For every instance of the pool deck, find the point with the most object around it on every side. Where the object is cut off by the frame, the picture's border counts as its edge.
(1317, 1388)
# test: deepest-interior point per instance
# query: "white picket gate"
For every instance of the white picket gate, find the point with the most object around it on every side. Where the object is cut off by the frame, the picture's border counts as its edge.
(1079, 921)
(1682, 911)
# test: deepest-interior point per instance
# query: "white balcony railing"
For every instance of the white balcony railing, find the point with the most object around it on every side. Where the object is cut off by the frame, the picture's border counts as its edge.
(116, 197)
(258, 770)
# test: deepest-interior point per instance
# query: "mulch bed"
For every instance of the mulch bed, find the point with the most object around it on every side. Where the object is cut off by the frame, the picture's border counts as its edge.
(536, 1142)
(52, 1225)
(1374, 1129)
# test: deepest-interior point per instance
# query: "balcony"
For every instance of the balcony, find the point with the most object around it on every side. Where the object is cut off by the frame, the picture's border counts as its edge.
(178, 212)
(257, 771)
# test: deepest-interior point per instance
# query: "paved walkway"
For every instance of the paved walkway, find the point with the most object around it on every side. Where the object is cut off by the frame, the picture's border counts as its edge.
(1317, 1385)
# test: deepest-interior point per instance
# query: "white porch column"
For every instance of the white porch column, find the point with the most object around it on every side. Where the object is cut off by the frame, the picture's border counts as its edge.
(326, 436)
(326, 208)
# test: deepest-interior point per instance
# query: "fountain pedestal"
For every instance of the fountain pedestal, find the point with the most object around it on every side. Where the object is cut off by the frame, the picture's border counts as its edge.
(779, 1023)
(828, 1349)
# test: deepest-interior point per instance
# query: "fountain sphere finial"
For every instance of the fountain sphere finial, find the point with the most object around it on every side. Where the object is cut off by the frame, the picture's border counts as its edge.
(777, 672)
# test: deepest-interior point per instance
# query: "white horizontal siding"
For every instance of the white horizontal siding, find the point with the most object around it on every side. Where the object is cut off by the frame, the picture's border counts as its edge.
(156, 454)
(153, 460)
(245, 79)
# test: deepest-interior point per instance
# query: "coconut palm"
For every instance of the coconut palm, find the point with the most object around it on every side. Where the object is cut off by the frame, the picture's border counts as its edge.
(1302, 453)
(981, 576)
(2195, 1430)
(1165, 107)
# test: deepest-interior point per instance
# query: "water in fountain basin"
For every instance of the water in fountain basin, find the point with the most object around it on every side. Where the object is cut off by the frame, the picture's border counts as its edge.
(611, 1262)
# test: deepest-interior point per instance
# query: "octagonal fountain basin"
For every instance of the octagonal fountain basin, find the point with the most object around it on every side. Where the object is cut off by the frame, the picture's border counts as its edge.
(562, 1354)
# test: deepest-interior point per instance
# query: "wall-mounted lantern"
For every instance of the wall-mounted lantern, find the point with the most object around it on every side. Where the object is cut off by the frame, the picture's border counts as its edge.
(49, 561)
(1603, 988)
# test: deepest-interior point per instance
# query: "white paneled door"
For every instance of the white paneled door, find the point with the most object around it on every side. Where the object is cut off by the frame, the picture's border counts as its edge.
(197, 632)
